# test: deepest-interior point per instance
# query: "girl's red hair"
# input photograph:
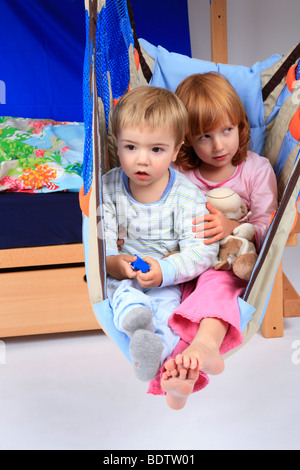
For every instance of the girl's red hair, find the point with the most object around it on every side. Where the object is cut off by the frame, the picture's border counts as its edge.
(211, 101)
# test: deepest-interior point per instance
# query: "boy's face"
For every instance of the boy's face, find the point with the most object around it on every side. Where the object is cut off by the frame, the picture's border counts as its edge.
(145, 155)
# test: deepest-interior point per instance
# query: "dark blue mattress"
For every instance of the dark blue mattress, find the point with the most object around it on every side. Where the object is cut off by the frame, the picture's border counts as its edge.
(29, 220)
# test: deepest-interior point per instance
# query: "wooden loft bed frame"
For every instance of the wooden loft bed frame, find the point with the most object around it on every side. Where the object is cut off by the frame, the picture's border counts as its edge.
(43, 288)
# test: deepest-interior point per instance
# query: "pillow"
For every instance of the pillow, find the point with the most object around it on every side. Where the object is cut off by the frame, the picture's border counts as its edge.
(40, 155)
(171, 68)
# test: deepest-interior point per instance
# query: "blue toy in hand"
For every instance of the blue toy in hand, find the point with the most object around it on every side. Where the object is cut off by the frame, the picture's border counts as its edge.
(140, 265)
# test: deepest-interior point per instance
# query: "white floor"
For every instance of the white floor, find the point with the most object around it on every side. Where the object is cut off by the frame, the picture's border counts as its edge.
(77, 391)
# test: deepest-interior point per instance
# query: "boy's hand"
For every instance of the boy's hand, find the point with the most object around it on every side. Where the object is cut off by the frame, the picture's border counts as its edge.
(215, 225)
(118, 266)
(153, 278)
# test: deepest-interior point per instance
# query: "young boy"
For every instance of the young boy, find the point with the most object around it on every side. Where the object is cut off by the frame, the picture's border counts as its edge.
(151, 207)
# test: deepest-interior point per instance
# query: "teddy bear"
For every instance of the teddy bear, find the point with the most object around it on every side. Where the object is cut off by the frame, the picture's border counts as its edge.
(237, 251)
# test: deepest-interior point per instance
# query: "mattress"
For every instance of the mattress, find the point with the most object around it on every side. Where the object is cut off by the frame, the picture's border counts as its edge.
(29, 220)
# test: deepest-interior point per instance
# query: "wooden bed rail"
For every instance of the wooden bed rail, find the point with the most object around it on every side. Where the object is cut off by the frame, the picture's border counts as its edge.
(41, 256)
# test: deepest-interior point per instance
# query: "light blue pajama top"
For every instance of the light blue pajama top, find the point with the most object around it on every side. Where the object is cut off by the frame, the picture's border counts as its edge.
(158, 228)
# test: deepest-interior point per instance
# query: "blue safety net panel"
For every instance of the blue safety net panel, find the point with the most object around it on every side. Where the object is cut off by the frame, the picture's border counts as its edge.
(109, 55)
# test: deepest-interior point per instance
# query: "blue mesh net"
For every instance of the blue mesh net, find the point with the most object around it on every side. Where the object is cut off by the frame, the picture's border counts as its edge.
(113, 39)
(87, 170)
(297, 72)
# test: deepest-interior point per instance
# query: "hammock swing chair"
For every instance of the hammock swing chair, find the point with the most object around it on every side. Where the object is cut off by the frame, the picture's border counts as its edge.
(115, 61)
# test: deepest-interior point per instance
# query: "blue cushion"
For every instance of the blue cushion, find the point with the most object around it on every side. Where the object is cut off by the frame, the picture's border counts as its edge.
(171, 68)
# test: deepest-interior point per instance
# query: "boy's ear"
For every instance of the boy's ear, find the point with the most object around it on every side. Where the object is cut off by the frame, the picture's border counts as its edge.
(176, 151)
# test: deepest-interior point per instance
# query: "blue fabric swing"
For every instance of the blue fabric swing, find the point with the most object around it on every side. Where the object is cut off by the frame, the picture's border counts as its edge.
(115, 61)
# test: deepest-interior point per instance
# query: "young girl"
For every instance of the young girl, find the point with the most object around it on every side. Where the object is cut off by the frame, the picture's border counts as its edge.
(215, 154)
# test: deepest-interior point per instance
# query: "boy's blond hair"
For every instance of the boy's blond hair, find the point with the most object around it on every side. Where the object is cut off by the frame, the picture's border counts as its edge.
(151, 107)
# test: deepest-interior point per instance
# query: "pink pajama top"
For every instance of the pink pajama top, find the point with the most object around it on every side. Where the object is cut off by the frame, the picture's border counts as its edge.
(254, 181)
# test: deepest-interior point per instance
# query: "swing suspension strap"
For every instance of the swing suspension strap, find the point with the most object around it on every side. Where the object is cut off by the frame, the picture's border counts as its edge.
(281, 72)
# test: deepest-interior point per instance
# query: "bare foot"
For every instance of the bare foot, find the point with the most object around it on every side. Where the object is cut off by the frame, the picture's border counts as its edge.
(178, 383)
(201, 357)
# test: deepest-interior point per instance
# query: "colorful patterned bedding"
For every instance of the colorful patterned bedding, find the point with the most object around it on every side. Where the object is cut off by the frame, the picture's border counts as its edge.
(40, 155)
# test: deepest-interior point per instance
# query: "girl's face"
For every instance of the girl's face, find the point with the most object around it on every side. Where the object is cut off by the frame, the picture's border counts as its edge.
(217, 148)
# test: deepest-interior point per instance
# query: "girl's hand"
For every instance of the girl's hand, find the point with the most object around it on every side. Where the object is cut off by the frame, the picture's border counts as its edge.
(152, 278)
(118, 266)
(214, 225)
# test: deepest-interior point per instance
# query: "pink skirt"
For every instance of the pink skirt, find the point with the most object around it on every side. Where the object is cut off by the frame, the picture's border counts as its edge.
(213, 295)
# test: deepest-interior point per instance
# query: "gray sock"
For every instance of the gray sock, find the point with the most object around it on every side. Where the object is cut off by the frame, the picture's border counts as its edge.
(145, 351)
(139, 318)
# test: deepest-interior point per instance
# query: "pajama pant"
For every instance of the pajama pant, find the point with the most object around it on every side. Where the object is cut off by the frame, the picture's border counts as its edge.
(127, 294)
(213, 295)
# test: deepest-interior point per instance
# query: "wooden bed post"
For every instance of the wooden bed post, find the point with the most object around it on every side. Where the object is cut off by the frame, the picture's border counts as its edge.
(218, 31)
(284, 300)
